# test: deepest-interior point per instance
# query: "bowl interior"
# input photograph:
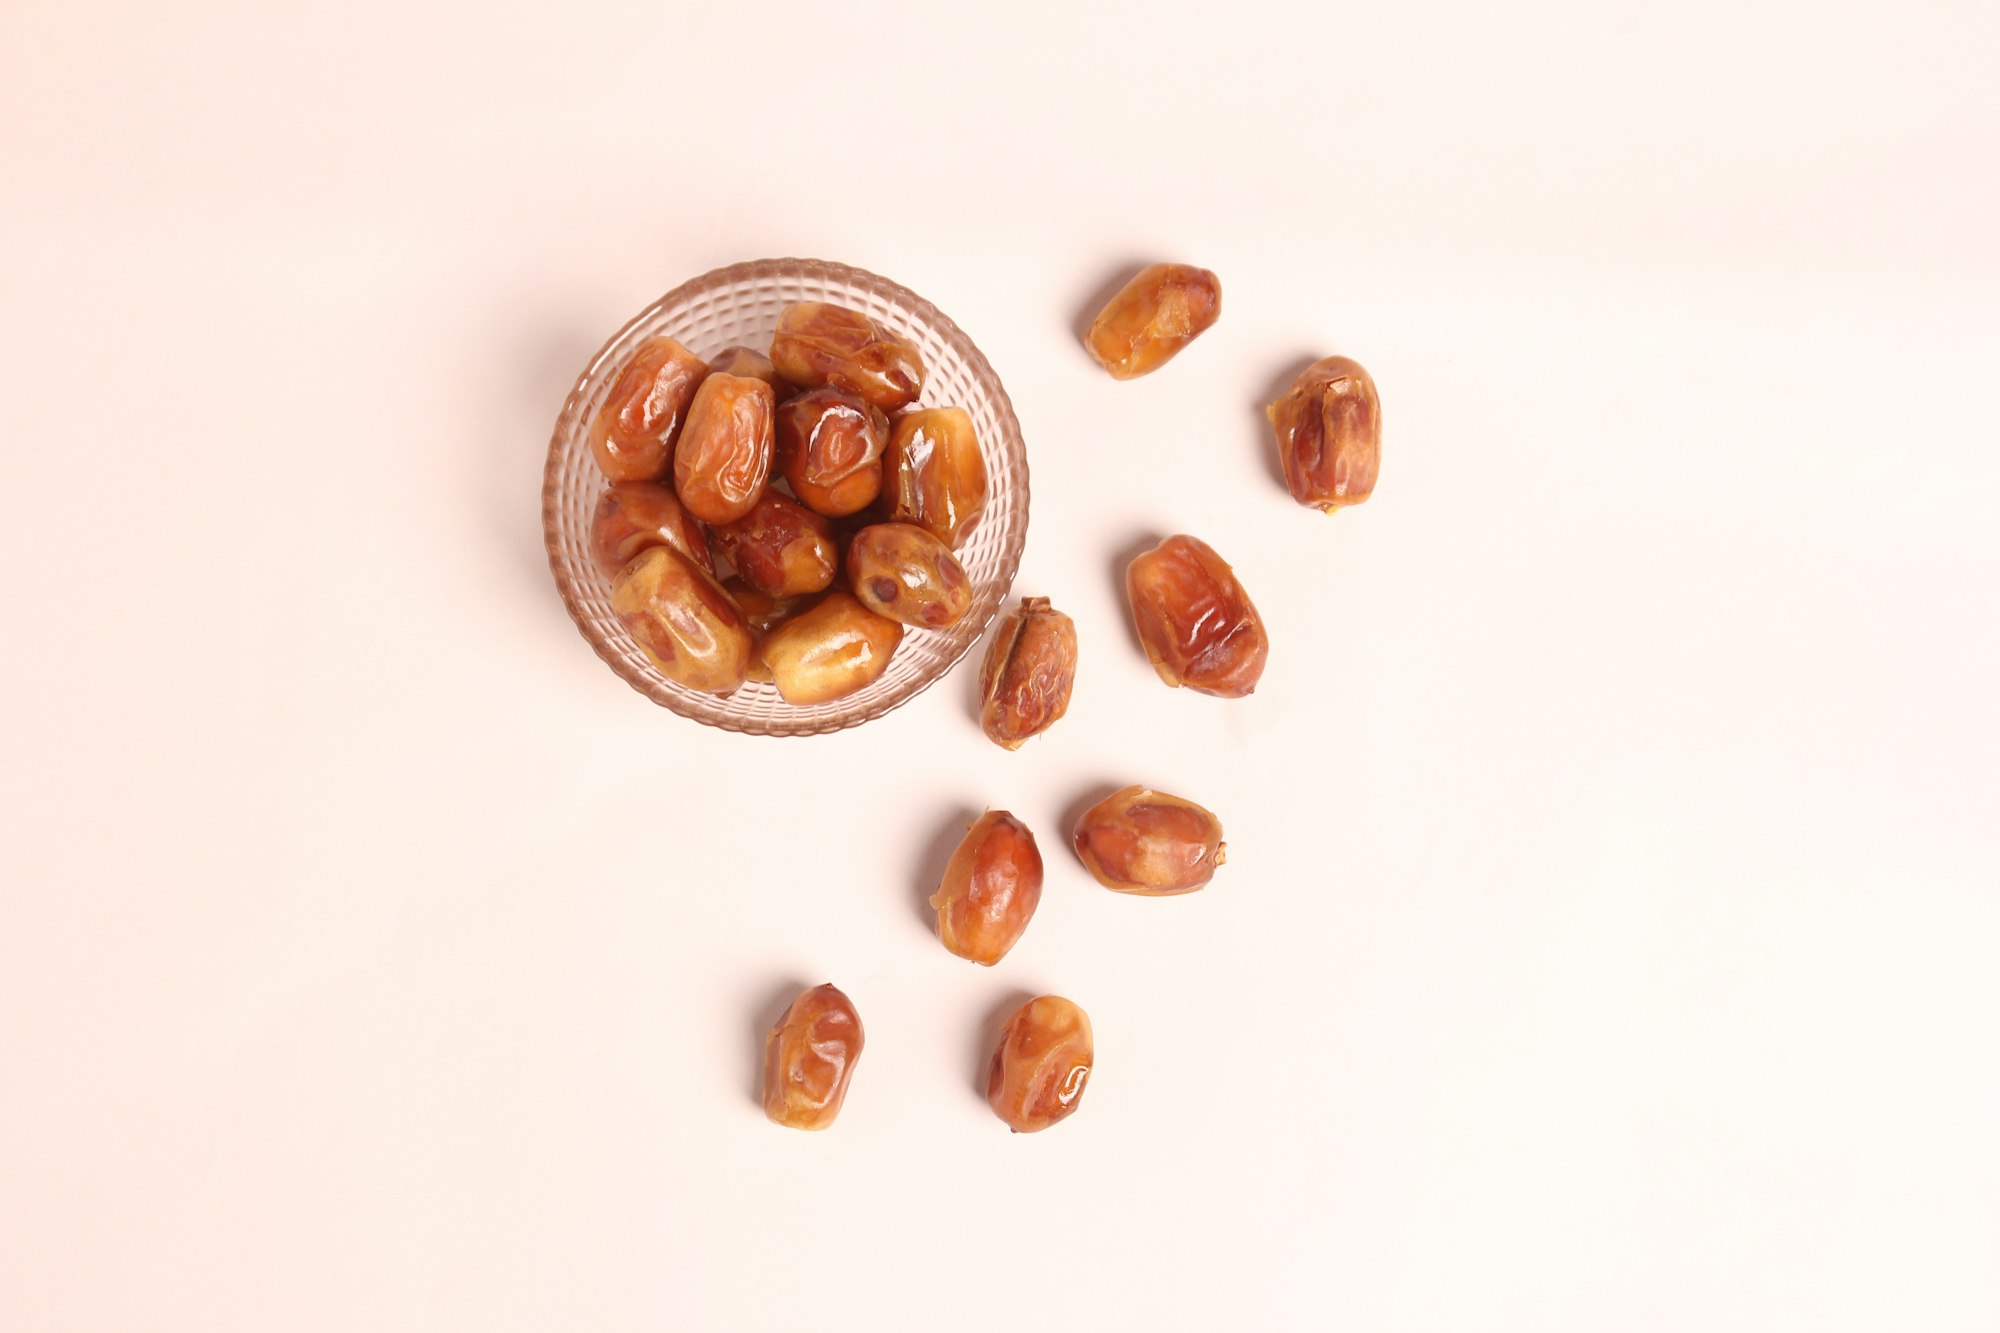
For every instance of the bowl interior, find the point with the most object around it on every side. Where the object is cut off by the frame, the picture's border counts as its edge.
(740, 304)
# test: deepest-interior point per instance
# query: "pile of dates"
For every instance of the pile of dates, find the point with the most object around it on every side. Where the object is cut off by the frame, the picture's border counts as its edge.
(1194, 620)
(784, 518)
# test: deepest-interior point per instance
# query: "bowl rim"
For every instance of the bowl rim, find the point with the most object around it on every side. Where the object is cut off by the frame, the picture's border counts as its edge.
(746, 270)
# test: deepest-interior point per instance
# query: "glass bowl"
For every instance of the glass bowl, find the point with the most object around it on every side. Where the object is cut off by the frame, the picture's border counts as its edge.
(740, 304)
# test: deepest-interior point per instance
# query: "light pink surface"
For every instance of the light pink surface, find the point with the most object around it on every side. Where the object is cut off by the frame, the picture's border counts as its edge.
(1608, 934)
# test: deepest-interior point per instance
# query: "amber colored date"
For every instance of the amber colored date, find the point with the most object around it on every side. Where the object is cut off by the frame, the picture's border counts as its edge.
(900, 571)
(1195, 622)
(818, 344)
(809, 1059)
(1147, 842)
(1041, 1065)
(632, 436)
(933, 474)
(830, 651)
(1329, 432)
(829, 447)
(684, 620)
(990, 889)
(764, 613)
(748, 361)
(780, 547)
(1163, 309)
(633, 515)
(724, 457)
(1025, 682)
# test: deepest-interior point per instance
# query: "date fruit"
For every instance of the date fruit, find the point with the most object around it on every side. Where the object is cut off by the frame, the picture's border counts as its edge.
(829, 449)
(751, 362)
(1025, 682)
(1041, 1064)
(990, 889)
(684, 620)
(633, 515)
(1163, 309)
(780, 547)
(632, 435)
(1329, 430)
(830, 651)
(900, 571)
(724, 457)
(1194, 619)
(1147, 842)
(765, 613)
(933, 474)
(818, 344)
(809, 1059)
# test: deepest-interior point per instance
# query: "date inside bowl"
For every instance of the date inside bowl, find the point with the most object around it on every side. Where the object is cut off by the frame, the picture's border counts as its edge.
(729, 319)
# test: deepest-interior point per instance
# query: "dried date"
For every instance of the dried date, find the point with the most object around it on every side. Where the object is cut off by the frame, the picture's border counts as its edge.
(990, 889)
(809, 1059)
(1329, 434)
(1197, 625)
(1025, 682)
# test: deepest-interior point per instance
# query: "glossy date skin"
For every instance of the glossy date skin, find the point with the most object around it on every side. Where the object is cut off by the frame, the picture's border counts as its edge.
(990, 889)
(1329, 433)
(764, 614)
(933, 474)
(1197, 625)
(632, 436)
(809, 1059)
(763, 611)
(1163, 309)
(1041, 1065)
(818, 344)
(724, 456)
(900, 571)
(1025, 682)
(828, 652)
(829, 450)
(748, 361)
(1146, 842)
(634, 515)
(780, 547)
(684, 620)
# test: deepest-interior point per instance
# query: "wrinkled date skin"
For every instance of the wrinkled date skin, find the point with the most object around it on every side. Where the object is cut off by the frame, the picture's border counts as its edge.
(634, 515)
(780, 547)
(724, 457)
(765, 613)
(1041, 1065)
(829, 449)
(1194, 619)
(751, 362)
(1147, 842)
(990, 889)
(809, 1059)
(684, 620)
(632, 436)
(1329, 430)
(900, 571)
(830, 651)
(933, 474)
(1162, 310)
(818, 344)
(1025, 682)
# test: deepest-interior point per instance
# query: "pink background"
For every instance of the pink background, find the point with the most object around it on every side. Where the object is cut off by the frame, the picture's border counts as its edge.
(1609, 931)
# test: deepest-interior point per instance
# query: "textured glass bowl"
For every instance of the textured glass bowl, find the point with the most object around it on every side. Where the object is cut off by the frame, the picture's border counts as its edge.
(740, 304)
